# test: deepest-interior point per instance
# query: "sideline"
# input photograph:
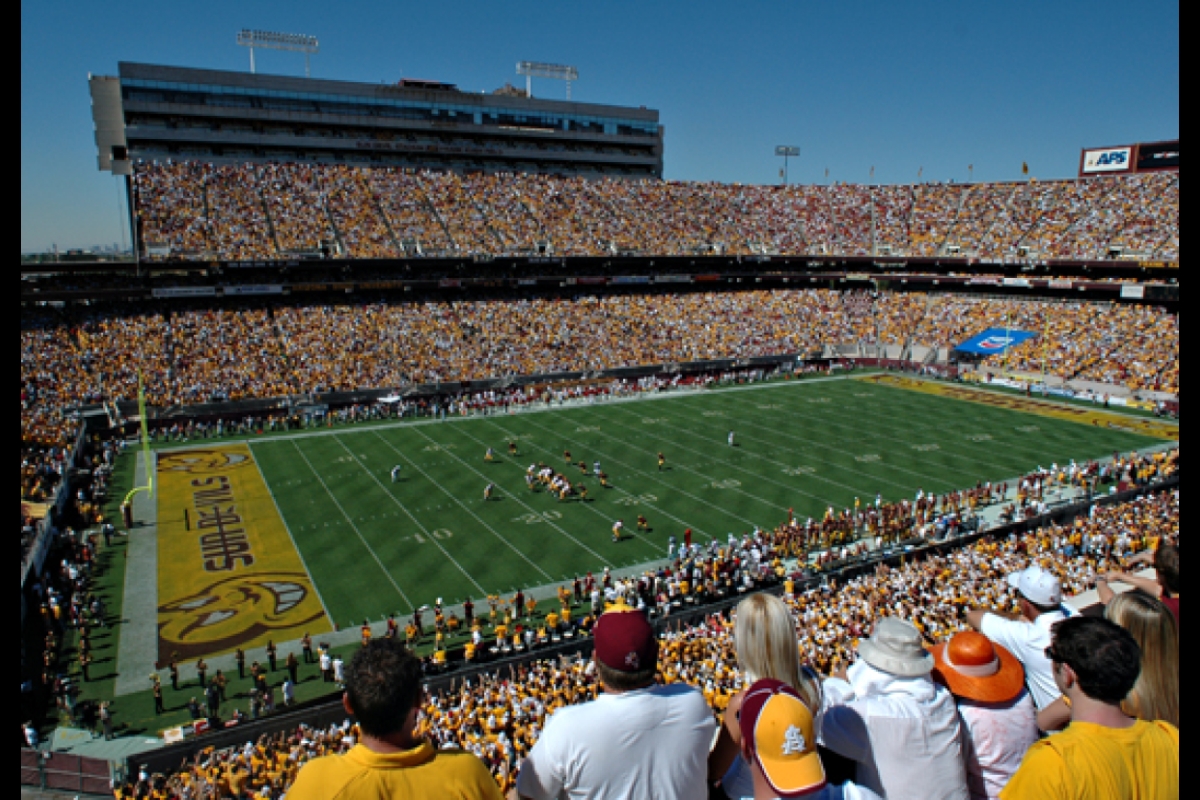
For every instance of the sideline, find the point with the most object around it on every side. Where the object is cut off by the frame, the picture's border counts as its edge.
(866, 373)
(137, 648)
(540, 407)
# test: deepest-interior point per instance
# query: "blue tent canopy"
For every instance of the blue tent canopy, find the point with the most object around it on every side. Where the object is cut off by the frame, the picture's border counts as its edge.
(994, 340)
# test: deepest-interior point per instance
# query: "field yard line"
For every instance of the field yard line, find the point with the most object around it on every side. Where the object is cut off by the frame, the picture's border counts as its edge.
(1114, 411)
(1121, 411)
(1015, 445)
(955, 455)
(465, 508)
(648, 476)
(761, 478)
(362, 538)
(823, 445)
(396, 500)
(961, 455)
(525, 505)
(845, 468)
(641, 397)
(626, 492)
(785, 466)
(299, 552)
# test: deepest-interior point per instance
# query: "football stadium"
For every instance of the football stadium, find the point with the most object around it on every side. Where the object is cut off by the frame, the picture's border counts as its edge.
(404, 365)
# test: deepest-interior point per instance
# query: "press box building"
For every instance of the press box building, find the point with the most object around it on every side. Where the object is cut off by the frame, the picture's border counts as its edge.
(151, 111)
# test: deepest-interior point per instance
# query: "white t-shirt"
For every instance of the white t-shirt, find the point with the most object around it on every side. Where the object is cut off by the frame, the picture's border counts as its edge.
(650, 743)
(996, 738)
(1028, 642)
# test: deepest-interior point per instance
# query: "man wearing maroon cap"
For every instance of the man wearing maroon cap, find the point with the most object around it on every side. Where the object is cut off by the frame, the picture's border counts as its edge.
(638, 739)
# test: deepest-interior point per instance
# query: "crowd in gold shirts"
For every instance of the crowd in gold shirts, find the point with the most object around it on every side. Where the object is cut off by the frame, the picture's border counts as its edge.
(254, 211)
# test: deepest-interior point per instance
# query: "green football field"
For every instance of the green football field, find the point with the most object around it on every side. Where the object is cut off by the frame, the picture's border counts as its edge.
(374, 546)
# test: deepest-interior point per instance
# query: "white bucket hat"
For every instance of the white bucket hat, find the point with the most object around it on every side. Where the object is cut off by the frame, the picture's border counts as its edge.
(895, 647)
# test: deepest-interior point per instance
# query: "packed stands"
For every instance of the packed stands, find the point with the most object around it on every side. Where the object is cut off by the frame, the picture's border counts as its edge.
(237, 215)
(499, 715)
(278, 210)
(199, 354)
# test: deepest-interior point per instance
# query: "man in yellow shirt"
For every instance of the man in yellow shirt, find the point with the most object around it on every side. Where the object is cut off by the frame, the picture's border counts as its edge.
(1103, 753)
(383, 693)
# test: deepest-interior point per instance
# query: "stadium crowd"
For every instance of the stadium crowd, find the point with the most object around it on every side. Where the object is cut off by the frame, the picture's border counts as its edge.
(929, 637)
(197, 353)
(257, 211)
(884, 621)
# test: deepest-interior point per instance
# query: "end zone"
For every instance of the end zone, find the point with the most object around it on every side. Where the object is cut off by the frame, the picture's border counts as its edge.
(229, 574)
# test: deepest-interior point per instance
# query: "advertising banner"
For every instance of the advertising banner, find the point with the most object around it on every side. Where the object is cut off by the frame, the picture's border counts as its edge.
(253, 288)
(1108, 159)
(184, 291)
(994, 340)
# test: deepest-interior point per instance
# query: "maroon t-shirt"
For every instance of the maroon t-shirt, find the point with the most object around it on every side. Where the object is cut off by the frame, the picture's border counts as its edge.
(1173, 604)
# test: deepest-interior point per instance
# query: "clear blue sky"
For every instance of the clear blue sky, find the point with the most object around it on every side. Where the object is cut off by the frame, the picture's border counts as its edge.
(901, 86)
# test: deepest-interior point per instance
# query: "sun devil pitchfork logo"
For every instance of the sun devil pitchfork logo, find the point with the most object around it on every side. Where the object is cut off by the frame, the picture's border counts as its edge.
(236, 610)
(793, 741)
(201, 461)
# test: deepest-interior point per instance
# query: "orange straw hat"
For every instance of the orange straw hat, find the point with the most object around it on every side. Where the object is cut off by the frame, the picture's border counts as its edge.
(974, 667)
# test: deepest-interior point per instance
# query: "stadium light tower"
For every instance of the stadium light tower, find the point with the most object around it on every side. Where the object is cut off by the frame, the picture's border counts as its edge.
(536, 69)
(278, 41)
(787, 151)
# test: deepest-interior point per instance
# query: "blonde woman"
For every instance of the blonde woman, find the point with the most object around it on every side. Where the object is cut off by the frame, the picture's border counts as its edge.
(764, 634)
(1155, 696)
(1156, 693)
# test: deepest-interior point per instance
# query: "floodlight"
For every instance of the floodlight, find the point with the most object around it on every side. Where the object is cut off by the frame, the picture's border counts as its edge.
(271, 40)
(787, 151)
(536, 69)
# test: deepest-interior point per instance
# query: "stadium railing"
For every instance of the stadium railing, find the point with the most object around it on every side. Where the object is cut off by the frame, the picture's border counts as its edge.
(65, 772)
(46, 528)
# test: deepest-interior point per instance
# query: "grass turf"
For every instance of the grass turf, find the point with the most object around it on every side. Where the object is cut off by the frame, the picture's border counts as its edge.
(805, 446)
(374, 547)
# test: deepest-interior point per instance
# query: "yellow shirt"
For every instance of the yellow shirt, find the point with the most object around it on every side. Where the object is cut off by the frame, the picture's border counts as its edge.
(419, 772)
(1097, 763)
